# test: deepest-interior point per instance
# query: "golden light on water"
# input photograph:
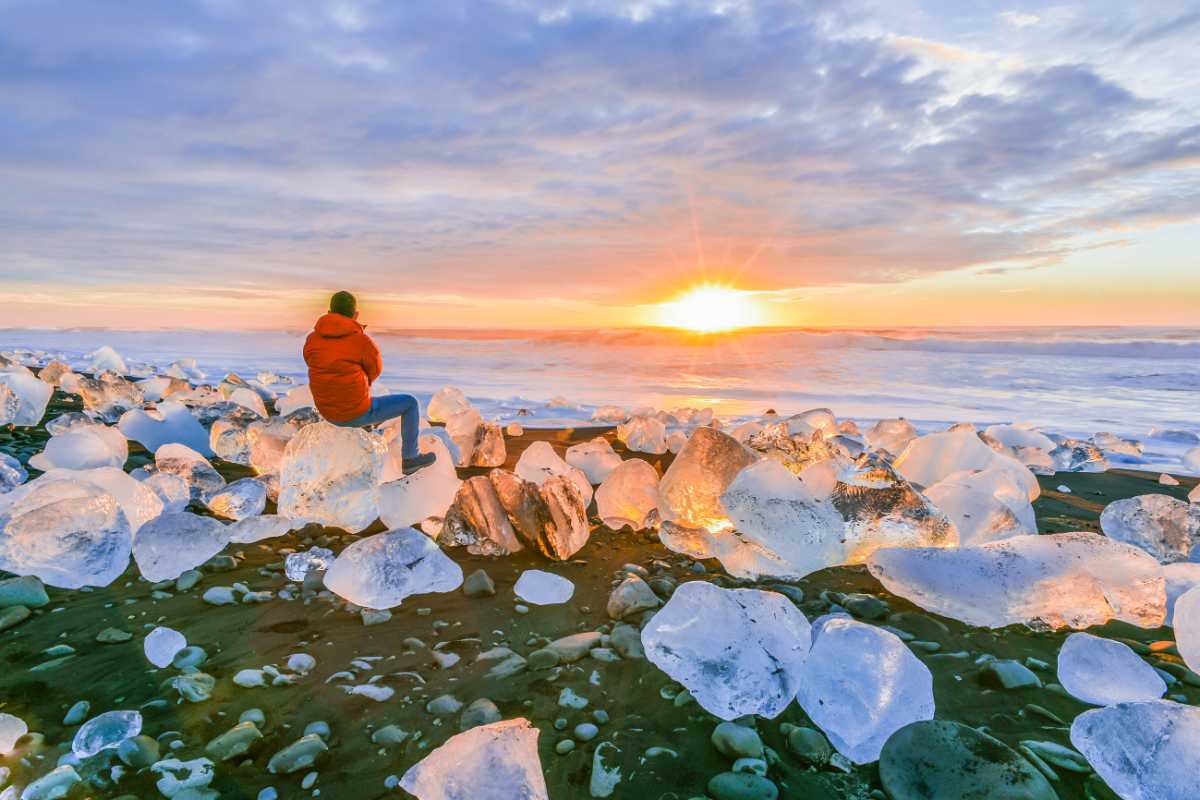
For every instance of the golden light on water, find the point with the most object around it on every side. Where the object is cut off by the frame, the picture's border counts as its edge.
(710, 308)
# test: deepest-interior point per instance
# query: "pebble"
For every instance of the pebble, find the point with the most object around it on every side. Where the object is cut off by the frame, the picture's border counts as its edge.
(390, 735)
(479, 584)
(736, 741)
(139, 752)
(542, 659)
(481, 712)
(1009, 674)
(113, 636)
(254, 715)
(444, 705)
(188, 580)
(26, 590)
(235, 742)
(564, 746)
(300, 754)
(865, 606)
(627, 641)
(630, 597)
(374, 616)
(219, 596)
(585, 731)
(809, 745)
(574, 647)
(13, 615)
(568, 699)
(77, 713)
(741, 786)
(318, 728)
(189, 657)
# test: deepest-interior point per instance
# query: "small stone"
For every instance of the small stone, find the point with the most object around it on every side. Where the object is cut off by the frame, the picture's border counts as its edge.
(318, 728)
(631, 596)
(574, 647)
(300, 754)
(235, 742)
(219, 596)
(374, 616)
(13, 615)
(188, 580)
(865, 606)
(737, 741)
(741, 786)
(627, 641)
(542, 659)
(113, 636)
(390, 736)
(77, 713)
(481, 712)
(586, 731)
(564, 746)
(189, 657)
(139, 752)
(26, 590)
(568, 699)
(479, 584)
(1009, 674)
(810, 746)
(444, 706)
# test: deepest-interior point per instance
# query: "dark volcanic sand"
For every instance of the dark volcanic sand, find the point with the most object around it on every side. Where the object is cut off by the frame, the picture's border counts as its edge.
(117, 676)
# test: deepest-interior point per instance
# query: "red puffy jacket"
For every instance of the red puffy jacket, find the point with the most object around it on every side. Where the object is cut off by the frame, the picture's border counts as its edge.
(343, 362)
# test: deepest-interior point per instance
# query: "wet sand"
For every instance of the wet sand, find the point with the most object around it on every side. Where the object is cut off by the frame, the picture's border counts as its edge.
(636, 696)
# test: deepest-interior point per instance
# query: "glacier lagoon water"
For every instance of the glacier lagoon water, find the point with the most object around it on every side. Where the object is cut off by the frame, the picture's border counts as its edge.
(1075, 381)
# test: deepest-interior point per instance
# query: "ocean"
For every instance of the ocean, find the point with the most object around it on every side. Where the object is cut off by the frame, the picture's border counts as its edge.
(1074, 381)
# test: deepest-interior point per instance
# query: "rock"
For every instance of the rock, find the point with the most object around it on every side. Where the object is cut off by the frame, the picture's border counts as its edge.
(865, 606)
(113, 636)
(162, 644)
(75, 714)
(138, 752)
(627, 496)
(944, 760)
(479, 584)
(1009, 674)
(632, 596)
(810, 746)
(1058, 580)
(189, 657)
(569, 649)
(233, 743)
(1143, 750)
(380, 571)
(736, 741)
(860, 684)
(1156, 523)
(444, 705)
(480, 712)
(331, 475)
(170, 545)
(13, 615)
(300, 754)
(67, 533)
(741, 786)
(1103, 672)
(105, 731)
(26, 591)
(738, 651)
(627, 641)
(542, 659)
(219, 596)
(194, 687)
(1059, 756)
(689, 493)
(585, 732)
(390, 736)
(543, 588)
(491, 762)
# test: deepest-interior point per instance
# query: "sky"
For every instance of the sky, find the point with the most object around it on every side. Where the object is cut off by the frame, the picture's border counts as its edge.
(848, 163)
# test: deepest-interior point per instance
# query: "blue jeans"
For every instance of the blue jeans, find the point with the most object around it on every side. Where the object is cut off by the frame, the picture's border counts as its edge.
(388, 407)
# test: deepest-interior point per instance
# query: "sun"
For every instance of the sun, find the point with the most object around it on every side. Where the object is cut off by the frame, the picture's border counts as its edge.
(709, 308)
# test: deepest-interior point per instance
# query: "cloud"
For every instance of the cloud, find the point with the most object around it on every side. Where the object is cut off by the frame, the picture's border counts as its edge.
(594, 151)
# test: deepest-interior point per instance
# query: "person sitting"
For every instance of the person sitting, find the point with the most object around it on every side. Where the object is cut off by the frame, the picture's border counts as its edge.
(343, 362)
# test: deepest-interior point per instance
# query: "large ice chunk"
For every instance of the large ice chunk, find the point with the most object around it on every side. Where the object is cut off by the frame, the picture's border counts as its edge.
(892, 435)
(479, 518)
(1104, 672)
(1144, 750)
(931, 458)
(1073, 580)
(738, 651)
(257, 529)
(498, 761)
(596, 458)
(32, 395)
(984, 505)
(267, 439)
(12, 474)
(1019, 437)
(331, 475)
(1187, 627)
(108, 395)
(860, 685)
(294, 400)
(1162, 526)
(643, 434)
(1181, 576)
(689, 493)
(12, 728)
(381, 570)
(173, 491)
(105, 358)
(426, 493)
(169, 422)
(445, 403)
(170, 545)
(241, 499)
(189, 466)
(105, 732)
(139, 501)
(627, 495)
(463, 430)
(68, 533)
(83, 448)
(249, 399)
(539, 462)
(316, 559)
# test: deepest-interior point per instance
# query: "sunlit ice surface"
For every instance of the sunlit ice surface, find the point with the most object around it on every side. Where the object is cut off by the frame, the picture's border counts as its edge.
(710, 308)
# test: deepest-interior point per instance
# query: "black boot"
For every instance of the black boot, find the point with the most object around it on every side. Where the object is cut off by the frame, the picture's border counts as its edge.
(411, 465)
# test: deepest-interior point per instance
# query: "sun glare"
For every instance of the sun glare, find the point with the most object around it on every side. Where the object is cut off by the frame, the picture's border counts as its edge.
(708, 309)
